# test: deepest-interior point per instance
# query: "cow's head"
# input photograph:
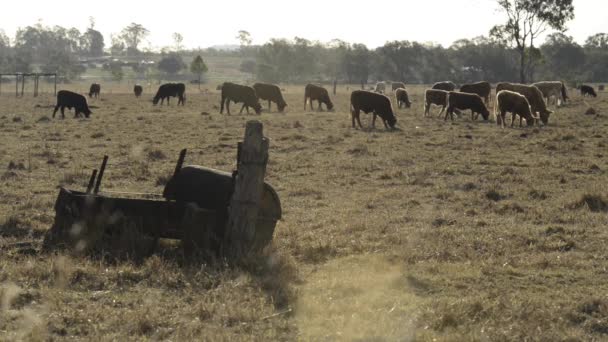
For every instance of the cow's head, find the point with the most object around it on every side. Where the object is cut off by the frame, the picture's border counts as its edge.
(485, 113)
(544, 115)
(329, 104)
(281, 106)
(87, 112)
(155, 100)
(257, 107)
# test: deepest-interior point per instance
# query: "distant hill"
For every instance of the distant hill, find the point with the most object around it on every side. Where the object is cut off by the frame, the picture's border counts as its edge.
(227, 47)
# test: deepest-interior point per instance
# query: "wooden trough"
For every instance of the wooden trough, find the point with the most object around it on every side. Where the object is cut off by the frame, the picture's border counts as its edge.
(195, 208)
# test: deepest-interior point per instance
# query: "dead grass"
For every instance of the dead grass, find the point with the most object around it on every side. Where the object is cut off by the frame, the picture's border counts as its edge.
(438, 231)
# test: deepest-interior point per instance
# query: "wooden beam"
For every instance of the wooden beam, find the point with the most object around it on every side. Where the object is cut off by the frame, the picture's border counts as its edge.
(249, 185)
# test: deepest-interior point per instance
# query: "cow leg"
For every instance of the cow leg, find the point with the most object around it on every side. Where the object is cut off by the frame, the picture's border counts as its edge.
(243, 107)
(374, 120)
(441, 111)
(228, 106)
(63, 112)
(449, 112)
(55, 111)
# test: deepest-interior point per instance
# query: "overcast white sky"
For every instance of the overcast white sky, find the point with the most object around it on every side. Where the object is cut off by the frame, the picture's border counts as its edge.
(206, 23)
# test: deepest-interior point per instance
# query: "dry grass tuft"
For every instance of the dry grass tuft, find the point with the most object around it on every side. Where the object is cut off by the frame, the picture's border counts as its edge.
(592, 202)
(591, 111)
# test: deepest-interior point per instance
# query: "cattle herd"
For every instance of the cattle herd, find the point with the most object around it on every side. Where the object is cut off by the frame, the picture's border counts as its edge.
(526, 101)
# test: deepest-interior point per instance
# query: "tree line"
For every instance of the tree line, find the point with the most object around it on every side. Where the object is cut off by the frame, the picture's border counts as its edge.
(510, 52)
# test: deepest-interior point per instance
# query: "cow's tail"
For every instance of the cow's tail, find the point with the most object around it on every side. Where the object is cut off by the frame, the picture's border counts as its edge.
(564, 93)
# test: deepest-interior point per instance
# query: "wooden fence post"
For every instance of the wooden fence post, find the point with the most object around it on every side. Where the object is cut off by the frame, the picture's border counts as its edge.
(245, 201)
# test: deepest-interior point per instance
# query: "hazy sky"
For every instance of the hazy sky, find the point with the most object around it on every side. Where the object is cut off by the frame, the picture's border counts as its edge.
(206, 23)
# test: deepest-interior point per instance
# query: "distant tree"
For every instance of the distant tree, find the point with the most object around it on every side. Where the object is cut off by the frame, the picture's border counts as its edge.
(118, 46)
(248, 66)
(171, 64)
(598, 40)
(94, 42)
(178, 39)
(274, 61)
(198, 67)
(6, 53)
(116, 71)
(132, 36)
(399, 57)
(526, 20)
(356, 64)
(244, 38)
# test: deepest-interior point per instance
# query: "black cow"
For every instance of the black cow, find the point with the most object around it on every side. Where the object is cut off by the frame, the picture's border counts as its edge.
(271, 93)
(137, 89)
(445, 85)
(317, 93)
(371, 102)
(94, 90)
(239, 94)
(588, 91)
(71, 100)
(168, 90)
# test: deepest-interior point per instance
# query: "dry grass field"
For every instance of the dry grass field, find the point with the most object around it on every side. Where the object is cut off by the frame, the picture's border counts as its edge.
(438, 231)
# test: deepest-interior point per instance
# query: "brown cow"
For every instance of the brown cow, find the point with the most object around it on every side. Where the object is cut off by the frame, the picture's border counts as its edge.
(371, 102)
(532, 94)
(483, 89)
(402, 98)
(317, 93)
(271, 93)
(517, 104)
(94, 90)
(436, 97)
(239, 93)
(445, 85)
(462, 101)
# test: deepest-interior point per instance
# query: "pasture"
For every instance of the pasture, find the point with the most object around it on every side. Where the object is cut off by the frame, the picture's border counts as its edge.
(439, 231)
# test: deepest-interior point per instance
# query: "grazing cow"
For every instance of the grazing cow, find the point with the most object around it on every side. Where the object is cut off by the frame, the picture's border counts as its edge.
(462, 101)
(445, 85)
(239, 93)
(532, 94)
(380, 87)
(169, 90)
(320, 94)
(402, 98)
(272, 93)
(137, 90)
(397, 85)
(555, 89)
(482, 89)
(517, 104)
(370, 102)
(587, 91)
(94, 90)
(436, 97)
(71, 100)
